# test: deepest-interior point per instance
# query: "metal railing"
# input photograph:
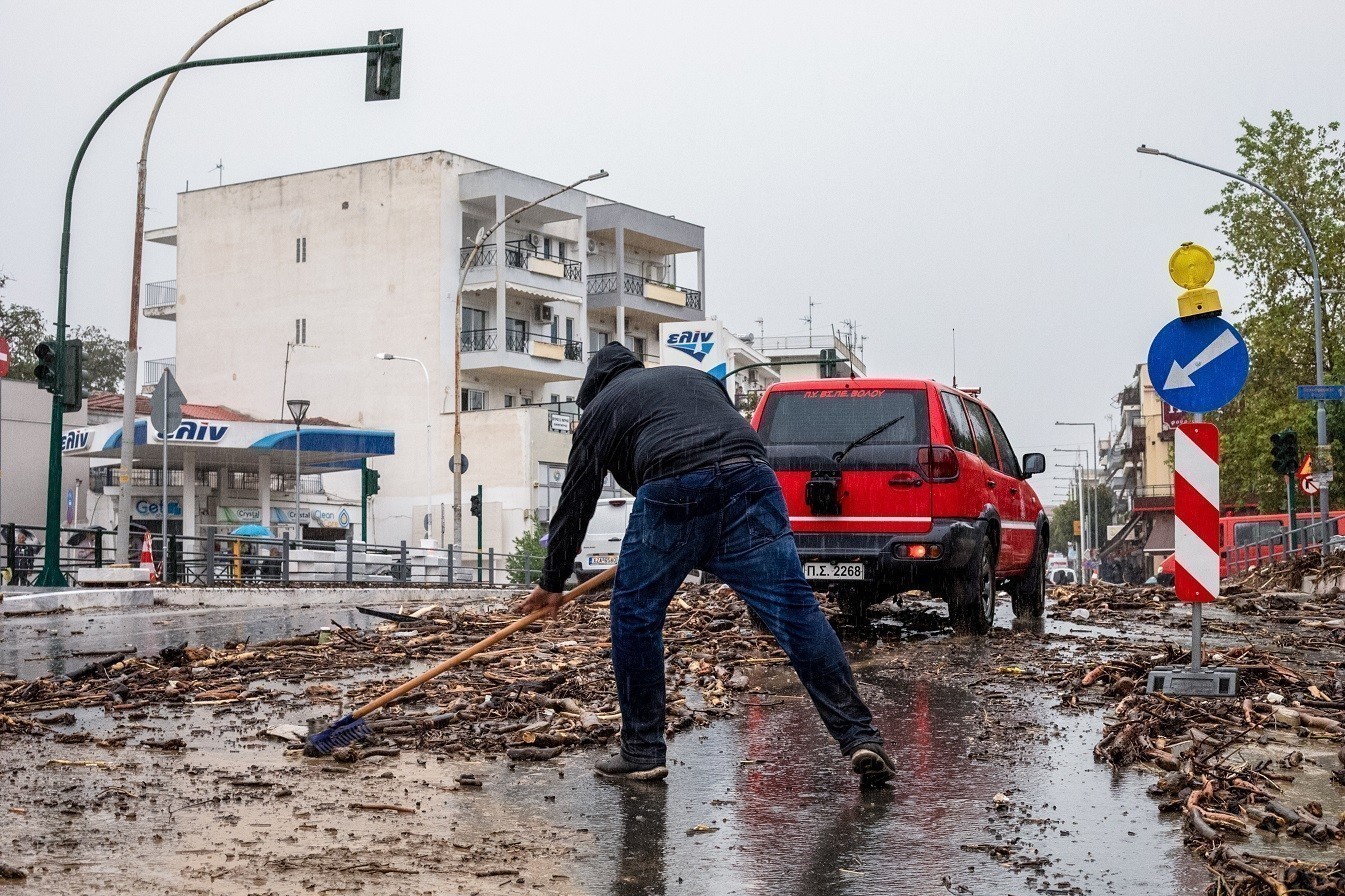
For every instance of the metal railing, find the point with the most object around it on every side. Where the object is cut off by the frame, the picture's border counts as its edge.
(645, 357)
(1281, 546)
(517, 341)
(633, 285)
(155, 369)
(162, 293)
(218, 559)
(516, 255)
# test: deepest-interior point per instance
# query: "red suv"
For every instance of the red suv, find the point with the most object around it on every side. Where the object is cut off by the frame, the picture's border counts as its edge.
(894, 484)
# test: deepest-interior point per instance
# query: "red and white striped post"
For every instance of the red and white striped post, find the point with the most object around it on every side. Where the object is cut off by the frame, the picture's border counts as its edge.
(1196, 495)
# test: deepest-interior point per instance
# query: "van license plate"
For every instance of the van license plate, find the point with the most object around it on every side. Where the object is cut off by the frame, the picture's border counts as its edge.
(833, 570)
(602, 559)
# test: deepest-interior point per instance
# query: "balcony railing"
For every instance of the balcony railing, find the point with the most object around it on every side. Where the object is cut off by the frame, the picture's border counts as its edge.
(516, 255)
(155, 369)
(518, 341)
(161, 293)
(633, 285)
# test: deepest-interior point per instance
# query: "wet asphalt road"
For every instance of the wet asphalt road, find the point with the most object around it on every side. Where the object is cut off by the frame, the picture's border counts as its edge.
(763, 804)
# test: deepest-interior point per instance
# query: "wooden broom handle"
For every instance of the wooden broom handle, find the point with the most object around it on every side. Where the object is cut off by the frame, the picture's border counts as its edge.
(600, 579)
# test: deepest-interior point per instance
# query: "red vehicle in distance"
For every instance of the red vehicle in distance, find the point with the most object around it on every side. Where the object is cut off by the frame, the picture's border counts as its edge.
(896, 484)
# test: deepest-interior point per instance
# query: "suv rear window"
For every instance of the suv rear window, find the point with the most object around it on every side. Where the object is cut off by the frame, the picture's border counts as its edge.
(957, 422)
(839, 416)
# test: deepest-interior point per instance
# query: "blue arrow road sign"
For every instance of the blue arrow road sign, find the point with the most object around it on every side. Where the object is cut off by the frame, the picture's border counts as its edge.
(1198, 365)
(1321, 393)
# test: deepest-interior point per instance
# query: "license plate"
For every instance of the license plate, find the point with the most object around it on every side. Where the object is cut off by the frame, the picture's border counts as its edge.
(833, 570)
(602, 559)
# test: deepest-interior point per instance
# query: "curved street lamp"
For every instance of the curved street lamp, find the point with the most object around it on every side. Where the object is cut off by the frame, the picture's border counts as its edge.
(1323, 445)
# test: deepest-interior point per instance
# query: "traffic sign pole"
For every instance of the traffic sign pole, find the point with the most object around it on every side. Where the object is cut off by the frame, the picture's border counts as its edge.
(1196, 504)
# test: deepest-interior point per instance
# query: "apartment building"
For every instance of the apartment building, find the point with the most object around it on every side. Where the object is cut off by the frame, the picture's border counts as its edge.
(289, 287)
(1137, 466)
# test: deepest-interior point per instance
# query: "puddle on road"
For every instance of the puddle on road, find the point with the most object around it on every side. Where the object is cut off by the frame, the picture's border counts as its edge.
(785, 817)
(57, 644)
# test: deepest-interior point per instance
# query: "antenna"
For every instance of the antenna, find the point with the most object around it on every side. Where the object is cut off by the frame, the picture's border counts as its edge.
(954, 357)
(809, 319)
(761, 324)
(219, 166)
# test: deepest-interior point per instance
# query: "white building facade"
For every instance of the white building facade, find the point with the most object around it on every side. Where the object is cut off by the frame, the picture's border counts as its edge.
(289, 287)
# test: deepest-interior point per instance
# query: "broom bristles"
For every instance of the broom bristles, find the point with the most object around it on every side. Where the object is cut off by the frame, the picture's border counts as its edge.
(342, 733)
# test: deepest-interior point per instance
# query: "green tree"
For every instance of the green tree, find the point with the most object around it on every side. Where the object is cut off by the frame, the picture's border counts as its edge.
(524, 563)
(24, 328)
(1306, 167)
(1065, 513)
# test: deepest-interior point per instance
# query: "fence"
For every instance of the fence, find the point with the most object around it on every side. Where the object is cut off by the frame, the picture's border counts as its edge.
(220, 559)
(1282, 546)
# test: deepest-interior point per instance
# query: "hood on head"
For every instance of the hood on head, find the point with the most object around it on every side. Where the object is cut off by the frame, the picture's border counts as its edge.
(611, 360)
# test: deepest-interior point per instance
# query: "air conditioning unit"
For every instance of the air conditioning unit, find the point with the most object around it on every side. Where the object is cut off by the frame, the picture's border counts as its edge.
(534, 240)
(592, 246)
(653, 270)
(542, 314)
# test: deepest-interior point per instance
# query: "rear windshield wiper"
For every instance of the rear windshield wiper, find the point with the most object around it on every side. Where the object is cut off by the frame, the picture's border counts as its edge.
(872, 434)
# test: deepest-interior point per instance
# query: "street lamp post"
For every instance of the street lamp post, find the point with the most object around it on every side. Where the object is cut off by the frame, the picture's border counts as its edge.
(1084, 517)
(298, 410)
(429, 474)
(1093, 460)
(481, 237)
(1323, 446)
(382, 81)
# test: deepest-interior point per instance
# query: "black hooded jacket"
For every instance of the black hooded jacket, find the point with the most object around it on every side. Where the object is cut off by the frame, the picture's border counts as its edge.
(641, 425)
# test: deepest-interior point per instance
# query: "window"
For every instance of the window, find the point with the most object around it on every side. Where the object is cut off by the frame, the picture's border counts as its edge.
(515, 334)
(301, 331)
(598, 339)
(546, 246)
(958, 424)
(807, 418)
(509, 401)
(1245, 534)
(473, 319)
(569, 329)
(1009, 459)
(301, 250)
(636, 345)
(560, 249)
(473, 399)
(985, 445)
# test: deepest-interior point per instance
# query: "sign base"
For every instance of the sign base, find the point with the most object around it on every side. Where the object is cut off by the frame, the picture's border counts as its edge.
(1183, 681)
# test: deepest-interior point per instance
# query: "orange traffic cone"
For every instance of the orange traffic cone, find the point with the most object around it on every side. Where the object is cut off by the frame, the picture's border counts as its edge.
(147, 558)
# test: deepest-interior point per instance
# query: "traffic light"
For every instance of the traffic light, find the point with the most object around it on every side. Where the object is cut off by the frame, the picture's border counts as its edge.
(45, 371)
(476, 505)
(1284, 452)
(383, 68)
(370, 482)
(72, 389)
(826, 362)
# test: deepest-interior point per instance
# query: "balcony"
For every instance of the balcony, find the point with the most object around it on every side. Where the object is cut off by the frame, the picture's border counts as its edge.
(665, 300)
(516, 353)
(155, 369)
(161, 300)
(522, 255)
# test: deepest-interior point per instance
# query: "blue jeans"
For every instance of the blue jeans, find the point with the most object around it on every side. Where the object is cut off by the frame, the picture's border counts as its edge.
(732, 522)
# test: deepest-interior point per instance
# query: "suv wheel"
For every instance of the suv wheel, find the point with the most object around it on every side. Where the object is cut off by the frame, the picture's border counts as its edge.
(1029, 591)
(971, 595)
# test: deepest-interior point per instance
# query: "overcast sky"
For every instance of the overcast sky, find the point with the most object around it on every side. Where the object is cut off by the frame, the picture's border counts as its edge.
(913, 167)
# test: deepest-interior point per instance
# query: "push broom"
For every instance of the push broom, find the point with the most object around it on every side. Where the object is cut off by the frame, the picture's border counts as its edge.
(352, 729)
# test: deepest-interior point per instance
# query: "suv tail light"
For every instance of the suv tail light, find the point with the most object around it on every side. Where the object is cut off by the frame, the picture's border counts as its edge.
(938, 463)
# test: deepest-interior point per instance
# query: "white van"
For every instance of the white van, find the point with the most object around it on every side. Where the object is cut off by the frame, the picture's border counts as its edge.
(602, 543)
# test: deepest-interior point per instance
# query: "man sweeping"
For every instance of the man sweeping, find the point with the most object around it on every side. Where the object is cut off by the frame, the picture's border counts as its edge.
(705, 498)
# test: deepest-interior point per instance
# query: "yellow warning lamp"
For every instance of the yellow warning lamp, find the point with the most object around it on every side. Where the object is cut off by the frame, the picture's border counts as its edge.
(1191, 267)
